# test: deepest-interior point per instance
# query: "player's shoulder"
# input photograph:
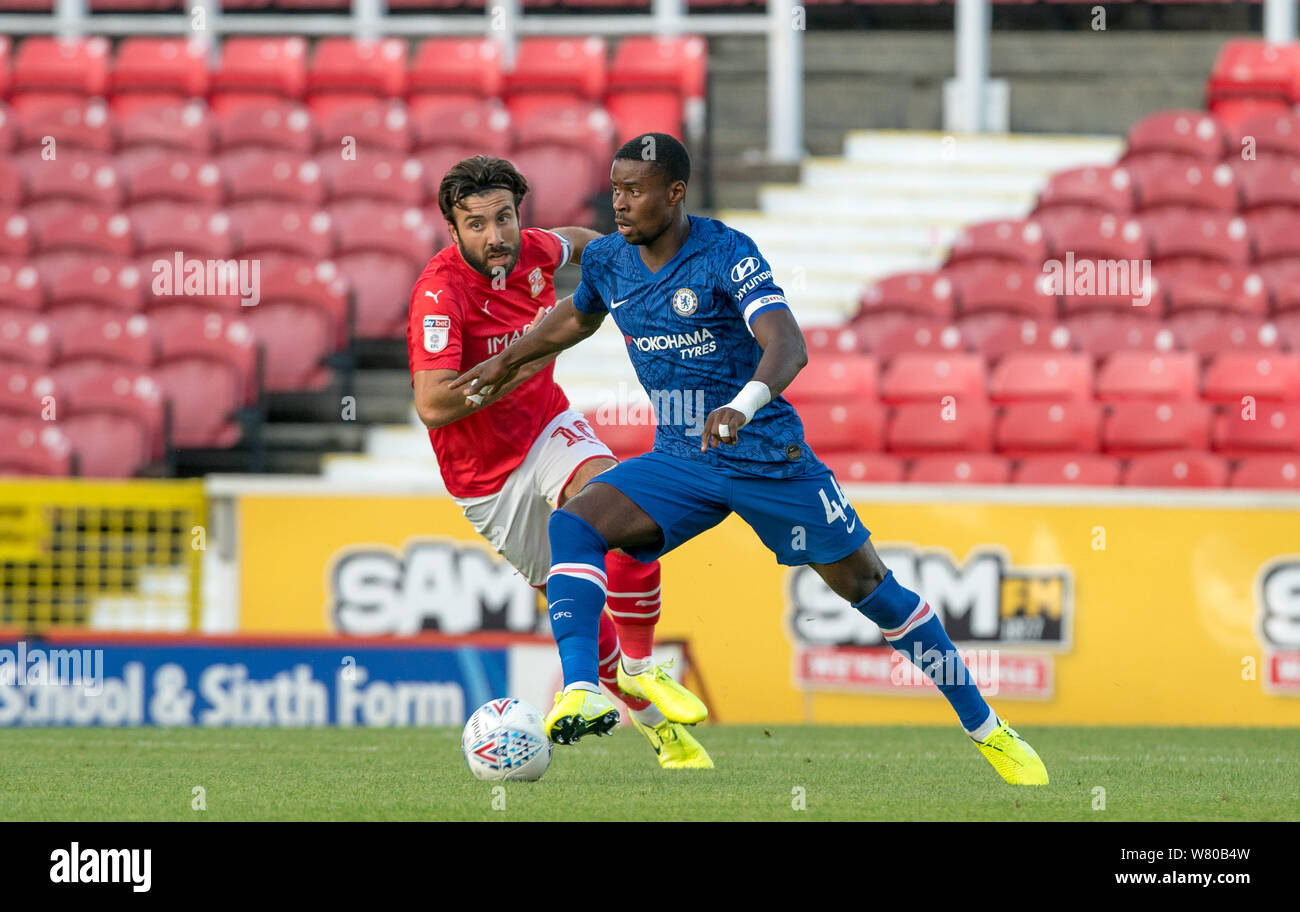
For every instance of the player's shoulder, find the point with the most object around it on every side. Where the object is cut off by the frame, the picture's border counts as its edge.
(440, 273)
(605, 248)
(721, 237)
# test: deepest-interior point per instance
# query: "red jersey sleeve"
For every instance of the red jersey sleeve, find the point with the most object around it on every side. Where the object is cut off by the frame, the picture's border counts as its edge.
(433, 332)
(555, 248)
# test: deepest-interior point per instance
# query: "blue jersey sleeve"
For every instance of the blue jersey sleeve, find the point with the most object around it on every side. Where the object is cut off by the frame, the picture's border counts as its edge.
(588, 298)
(747, 277)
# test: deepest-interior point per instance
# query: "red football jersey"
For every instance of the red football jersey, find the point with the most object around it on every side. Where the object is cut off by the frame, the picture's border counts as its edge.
(458, 320)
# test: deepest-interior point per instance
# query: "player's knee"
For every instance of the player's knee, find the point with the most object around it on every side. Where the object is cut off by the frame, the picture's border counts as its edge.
(575, 539)
(889, 604)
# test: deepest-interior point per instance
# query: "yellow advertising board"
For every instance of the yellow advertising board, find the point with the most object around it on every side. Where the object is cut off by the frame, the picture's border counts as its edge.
(1097, 609)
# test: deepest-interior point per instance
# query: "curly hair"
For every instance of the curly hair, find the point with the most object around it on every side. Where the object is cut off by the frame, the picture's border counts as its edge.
(478, 174)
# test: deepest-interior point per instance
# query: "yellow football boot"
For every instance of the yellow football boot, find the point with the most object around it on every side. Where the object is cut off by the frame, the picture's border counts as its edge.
(578, 713)
(673, 700)
(1012, 756)
(674, 746)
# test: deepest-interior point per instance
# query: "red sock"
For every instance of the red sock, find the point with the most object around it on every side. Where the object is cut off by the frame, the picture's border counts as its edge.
(633, 600)
(609, 656)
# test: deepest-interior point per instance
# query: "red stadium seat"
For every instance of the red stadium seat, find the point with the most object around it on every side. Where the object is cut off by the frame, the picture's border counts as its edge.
(1113, 286)
(35, 448)
(1288, 327)
(256, 174)
(20, 286)
(1227, 289)
(644, 62)
(1029, 428)
(581, 126)
(364, 226)
(1276, 235)
(1283, 278)
(358, 66)
(560, 186)
(8, 127)
(13, 183)
(1031, 375)
(1193, 134)
(199, 233)
(834, 378)
(302, 317)
(1002, 336)
(1211, 332)
(115, 422)
(4, 64)
(274, 124)
(473, 124)
(1178, 468)
(173, 65)
(1072, 469)
(1255, 69)
(375, 127)
(1270, 135)
(920, 428)
(27, 392)
(929, 294)
(375, 176)
(279, 227)
(1011, 241)
(86, 125)
(17, 236)
(988, 288)
(26, 339)
(106, 340)
(824, 340)
(967, 468)
(1278, 472)
(1098, 236)
(1105, 189)
(448, 65)
(153, 176)
(1269, 184)
(1146, 375)
(851, 425)
(1201, 237)
(1265, 427)
(1132, 428)
(864, 468)
(274, 66)
(182, 126)
(910, 335)
(636, 113)
(83, 279)
(383, 291)
(206, 365)
(81, 177)
(61, 65)
(1101, 334)
(573, 65)
(1162, 183)
(93, 230)
(933, 377)
(1262, 375)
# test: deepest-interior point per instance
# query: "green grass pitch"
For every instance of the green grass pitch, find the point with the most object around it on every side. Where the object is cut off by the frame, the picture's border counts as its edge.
(858, 773)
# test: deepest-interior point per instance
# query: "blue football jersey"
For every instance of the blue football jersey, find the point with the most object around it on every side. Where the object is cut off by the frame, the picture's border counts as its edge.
(687, 331)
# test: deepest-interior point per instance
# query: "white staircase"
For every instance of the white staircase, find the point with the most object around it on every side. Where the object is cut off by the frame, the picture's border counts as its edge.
(895, 201)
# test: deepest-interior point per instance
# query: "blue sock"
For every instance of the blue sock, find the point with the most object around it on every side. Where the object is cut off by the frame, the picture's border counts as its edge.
(911, 626)
(575, 591)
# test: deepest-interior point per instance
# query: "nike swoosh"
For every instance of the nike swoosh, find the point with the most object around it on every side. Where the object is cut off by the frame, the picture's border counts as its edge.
(855, 524)
(613, 304)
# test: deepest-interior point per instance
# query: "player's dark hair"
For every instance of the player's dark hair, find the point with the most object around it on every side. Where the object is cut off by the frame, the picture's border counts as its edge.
(666, 154)
(478, 174)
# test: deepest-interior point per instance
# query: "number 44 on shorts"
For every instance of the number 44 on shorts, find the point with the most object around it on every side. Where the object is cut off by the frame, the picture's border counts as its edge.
(834, 510)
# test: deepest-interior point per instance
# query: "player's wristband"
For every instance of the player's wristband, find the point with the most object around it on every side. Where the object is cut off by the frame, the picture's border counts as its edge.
(752, 397)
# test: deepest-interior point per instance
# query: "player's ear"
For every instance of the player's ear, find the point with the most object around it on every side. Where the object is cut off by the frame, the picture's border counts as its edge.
(451, 230)
(676, 192)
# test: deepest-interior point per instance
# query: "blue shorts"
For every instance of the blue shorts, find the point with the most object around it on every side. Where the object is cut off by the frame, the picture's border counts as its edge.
(803, 520)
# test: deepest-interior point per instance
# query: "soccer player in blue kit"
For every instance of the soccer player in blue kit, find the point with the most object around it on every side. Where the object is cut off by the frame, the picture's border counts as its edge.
(701, 315)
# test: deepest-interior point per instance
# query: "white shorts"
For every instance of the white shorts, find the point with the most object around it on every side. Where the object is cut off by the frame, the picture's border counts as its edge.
(514, 520)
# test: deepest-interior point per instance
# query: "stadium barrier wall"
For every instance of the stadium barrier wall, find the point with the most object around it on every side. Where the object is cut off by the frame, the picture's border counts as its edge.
(1073, 606)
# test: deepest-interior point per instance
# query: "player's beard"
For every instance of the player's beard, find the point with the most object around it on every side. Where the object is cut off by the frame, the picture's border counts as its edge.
(484, 268)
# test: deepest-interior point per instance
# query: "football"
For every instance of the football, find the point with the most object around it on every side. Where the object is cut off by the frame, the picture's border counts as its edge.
(504, 740)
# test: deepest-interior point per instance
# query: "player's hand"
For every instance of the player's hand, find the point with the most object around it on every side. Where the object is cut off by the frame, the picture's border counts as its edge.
(722, 426)
(479, 381)
(541, 314)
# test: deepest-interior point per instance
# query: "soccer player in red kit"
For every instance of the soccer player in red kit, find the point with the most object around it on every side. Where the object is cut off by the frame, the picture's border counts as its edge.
(511, 456)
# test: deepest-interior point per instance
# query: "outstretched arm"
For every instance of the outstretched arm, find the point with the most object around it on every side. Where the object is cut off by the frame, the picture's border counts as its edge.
(564, 327)
(578, 239)
(784, 355)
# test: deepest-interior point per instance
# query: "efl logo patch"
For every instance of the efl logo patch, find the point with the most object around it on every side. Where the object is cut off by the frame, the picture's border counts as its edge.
(685, 302)
(437, 332)
(536, 282)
